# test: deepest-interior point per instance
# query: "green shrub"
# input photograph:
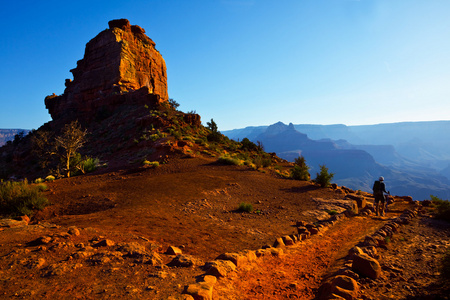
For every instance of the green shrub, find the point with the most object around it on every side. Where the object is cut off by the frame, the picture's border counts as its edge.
(50, 178)
(89, 164)
(245, 207)
(248, 145)
(153, 164)
(442, 207)
(214, 135)
(299, 173)
(42, 187)
(324, 178)
(39, 180)
(300, 170)
(226, 160)
(332, 212)
(20, 198)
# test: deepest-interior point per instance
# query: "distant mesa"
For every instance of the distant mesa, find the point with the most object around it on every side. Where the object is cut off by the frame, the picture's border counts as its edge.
(120, 65)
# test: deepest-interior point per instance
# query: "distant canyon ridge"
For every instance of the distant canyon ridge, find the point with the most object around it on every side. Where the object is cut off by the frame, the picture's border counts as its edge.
(414, 157)
(9, 134)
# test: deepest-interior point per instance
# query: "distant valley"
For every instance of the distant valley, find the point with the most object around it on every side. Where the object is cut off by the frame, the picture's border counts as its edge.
(414, 157)
(8, 134)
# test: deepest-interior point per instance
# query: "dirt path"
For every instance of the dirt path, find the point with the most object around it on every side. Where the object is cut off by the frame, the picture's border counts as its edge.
(298, 274)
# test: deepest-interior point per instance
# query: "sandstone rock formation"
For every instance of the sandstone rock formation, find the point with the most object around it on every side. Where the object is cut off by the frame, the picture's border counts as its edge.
(120, 65)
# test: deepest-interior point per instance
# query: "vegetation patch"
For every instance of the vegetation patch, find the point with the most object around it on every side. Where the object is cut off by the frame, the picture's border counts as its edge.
(20, 198)
(332, 212)
(153, 164)
(442, 208)
(245, 207)
(50, 178)
(227, 160)
(324, 177)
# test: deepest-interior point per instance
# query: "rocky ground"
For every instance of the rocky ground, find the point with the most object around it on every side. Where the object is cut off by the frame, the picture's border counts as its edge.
(155, 234)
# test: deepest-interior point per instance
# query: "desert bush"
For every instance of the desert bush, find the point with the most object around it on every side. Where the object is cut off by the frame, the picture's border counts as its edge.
(245, 207)
(300, 170)
(50, 178)
(298, 173)
(324, 177)
(262, 161)
(442, 208)
(283, 174)
(248, 145)
(42, 187)
(39, 180)
(214, 135)
(20, 198)
(153, 164)
(89, 164)
(332, 212)
(227, 160)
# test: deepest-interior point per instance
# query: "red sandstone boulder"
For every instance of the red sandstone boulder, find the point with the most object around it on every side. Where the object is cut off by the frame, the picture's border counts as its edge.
(365, 265)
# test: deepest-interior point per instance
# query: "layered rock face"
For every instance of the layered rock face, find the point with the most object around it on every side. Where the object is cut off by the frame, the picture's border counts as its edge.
(120, 65)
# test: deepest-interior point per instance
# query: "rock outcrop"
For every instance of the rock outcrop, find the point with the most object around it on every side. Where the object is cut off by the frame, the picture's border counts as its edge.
(120, 65)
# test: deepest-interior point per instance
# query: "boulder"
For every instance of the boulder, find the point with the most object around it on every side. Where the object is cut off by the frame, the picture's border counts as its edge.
(235, 258)
(104, 243)
(173, 251)
(13, 223)
(313, 230)
(279, 243)
(345, 287)
(270, 251)
(133, 249)
(219, 268)
(287, 240)
(203, 289)
(339, 287)
(366, 266)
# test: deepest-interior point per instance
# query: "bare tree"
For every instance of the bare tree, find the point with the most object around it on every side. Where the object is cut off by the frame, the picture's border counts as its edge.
(43, 146)
(71, 139)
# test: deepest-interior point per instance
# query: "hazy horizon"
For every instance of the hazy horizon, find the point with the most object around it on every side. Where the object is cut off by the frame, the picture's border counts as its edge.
(245, 62)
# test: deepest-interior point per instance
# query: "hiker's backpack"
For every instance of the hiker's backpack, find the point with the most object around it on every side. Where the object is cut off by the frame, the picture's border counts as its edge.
(377, 186)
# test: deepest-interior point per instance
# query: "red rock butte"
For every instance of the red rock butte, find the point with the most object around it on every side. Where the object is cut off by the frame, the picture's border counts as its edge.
(120, 66)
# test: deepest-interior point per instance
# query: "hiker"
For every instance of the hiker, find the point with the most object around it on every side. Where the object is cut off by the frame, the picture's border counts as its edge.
(378, 189)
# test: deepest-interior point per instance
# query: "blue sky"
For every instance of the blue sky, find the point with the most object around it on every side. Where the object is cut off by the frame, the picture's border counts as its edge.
(247, 62)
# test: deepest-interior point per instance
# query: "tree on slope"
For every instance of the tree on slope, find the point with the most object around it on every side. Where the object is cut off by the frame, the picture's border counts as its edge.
(71, 139)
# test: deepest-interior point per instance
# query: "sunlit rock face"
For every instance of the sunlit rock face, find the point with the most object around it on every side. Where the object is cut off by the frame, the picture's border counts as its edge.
(120, 65)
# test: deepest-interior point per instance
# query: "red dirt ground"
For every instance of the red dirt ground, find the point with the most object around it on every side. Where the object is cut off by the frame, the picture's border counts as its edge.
(188, 203)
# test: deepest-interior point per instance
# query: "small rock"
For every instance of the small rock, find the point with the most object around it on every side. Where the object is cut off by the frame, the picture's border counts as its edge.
(279, 243)
(74, 231)
(287, 240)
(43, 240)
(173, 251)
(104, 243)
(184, 261)
(235, 258)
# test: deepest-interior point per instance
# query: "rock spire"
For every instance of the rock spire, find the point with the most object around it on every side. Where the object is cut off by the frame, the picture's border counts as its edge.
(120, 66)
